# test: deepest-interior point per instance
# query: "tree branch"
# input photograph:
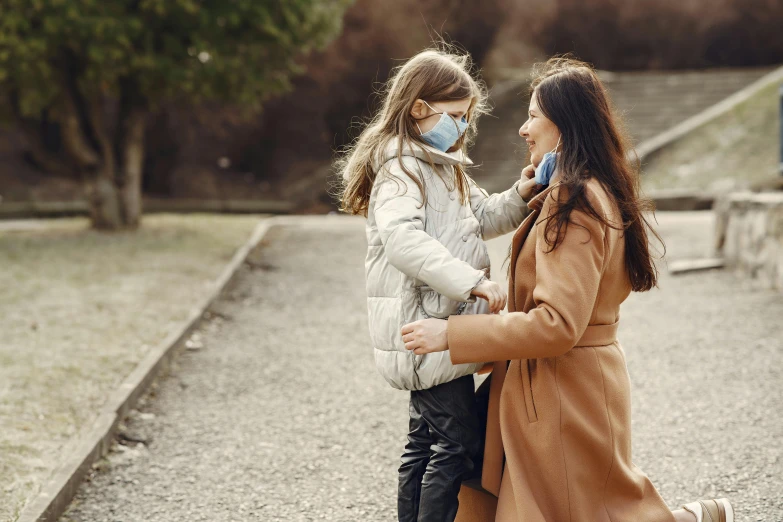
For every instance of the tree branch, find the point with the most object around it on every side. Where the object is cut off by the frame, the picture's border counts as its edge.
(98, 122)
(132, 118)
(78, 136)
(73, 136)
(31, 130)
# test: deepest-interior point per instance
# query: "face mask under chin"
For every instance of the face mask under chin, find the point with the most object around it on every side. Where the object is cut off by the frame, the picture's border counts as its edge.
(546, 168)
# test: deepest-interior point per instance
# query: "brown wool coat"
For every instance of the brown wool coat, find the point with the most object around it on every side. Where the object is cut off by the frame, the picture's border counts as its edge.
(563, 406)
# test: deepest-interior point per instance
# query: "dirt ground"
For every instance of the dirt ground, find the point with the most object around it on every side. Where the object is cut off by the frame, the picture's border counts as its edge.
(282, 415)
(79, 309)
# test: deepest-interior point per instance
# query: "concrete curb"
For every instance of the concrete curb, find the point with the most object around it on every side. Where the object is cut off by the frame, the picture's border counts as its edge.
(676, 199)
(684, 266)
(37, 209)
(55, 496)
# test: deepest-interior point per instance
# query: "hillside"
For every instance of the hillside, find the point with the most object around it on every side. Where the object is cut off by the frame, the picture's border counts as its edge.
(739, 149)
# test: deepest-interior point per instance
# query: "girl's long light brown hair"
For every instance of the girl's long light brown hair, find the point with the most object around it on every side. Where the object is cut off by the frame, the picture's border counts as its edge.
(433, 75)
(571, 95)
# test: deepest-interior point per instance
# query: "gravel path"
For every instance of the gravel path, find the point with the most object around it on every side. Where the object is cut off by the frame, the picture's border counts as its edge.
(277, 412)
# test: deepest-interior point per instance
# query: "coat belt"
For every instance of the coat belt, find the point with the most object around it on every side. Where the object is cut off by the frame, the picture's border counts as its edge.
(599, 335)
(492, 471)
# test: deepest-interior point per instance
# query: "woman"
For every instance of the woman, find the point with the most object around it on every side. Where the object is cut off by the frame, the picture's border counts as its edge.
(564, 409)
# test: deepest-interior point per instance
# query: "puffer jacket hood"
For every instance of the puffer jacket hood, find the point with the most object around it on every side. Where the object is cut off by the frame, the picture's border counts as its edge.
(424, 260)
(425, 153)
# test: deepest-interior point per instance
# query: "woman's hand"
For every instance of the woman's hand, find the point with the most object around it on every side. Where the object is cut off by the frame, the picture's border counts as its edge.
(527, 185)
(493, 293)
(426, 336)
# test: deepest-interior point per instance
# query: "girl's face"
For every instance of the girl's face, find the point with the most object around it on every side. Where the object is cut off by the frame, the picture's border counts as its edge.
(427, 118)
(539, 132)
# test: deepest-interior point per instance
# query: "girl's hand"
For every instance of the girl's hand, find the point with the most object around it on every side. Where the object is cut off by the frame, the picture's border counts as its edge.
(527, 185)
(493, 293)
(426, 336)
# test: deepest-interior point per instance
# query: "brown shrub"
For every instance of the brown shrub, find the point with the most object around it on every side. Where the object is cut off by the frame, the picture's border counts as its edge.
(653, 34)
(323, 111)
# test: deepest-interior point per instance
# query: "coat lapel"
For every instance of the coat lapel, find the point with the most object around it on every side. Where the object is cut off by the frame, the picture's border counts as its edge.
(494, 454)
(535, 204)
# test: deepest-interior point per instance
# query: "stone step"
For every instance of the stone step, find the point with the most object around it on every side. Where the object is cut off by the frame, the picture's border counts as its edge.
(649, 102)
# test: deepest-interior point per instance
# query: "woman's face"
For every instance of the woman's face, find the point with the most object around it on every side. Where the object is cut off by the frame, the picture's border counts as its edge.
(539, 132)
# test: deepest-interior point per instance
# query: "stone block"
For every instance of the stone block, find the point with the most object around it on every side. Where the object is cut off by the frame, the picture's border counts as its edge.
(749, 234)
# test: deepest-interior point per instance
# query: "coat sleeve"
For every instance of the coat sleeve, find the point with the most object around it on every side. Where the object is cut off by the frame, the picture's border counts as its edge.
(400, 216)
(567, 281)
(497, 214)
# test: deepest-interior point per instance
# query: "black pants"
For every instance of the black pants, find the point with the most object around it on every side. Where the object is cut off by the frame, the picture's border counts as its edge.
(443, 445)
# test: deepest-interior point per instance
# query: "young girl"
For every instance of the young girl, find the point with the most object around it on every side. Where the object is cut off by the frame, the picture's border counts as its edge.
(426, 222)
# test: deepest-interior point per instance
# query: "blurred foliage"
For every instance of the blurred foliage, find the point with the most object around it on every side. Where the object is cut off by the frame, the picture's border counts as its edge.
(651, 34)
(81, 77)
(324, 111)
(242, 50)
(180, 53)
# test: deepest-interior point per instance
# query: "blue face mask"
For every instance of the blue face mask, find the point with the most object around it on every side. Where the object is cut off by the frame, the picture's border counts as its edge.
(446, 132)
(546, 168)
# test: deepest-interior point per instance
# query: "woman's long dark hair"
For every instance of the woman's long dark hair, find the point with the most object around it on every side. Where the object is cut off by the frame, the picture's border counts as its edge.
(571, 95)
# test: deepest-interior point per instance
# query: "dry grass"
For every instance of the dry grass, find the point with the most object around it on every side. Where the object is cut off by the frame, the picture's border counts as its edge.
(79, 310)
(736, 150)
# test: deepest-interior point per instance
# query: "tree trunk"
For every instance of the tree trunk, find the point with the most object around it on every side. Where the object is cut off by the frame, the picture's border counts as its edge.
(98, 168)
(101, 187)
(110, 157)
(104, 203)
(132, 167)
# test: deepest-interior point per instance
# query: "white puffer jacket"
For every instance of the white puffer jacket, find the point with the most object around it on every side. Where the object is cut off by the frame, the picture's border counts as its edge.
(424, 261)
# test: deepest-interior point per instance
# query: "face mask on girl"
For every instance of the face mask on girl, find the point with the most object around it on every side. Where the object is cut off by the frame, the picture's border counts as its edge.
(446, 132)
(546, 168)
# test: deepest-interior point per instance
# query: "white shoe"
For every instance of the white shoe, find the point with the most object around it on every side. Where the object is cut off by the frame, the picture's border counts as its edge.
(716, 510)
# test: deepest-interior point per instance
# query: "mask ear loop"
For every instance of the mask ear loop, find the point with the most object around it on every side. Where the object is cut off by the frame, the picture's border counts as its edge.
(558, 144)
(417, 119)
(441, 113)
(431, 107)
(452, 120)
